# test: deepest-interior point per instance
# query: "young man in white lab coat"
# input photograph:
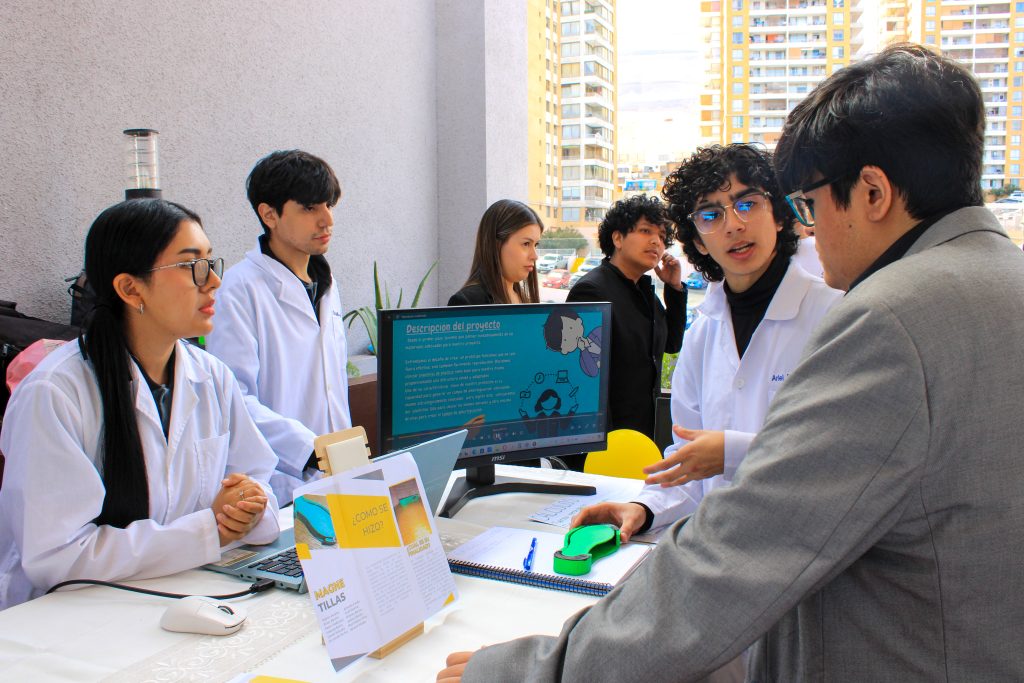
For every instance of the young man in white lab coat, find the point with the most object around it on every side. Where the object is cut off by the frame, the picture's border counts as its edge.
(279, 324)
(756, 318)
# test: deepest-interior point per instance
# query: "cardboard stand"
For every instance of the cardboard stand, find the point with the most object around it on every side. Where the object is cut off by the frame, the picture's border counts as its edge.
(340, 451)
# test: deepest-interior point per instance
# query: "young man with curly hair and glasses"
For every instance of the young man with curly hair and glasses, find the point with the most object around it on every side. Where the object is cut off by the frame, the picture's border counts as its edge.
(737, 230)
(633, 236)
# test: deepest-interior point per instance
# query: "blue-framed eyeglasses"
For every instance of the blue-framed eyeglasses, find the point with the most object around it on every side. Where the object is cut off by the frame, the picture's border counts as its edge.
(802, 206)
(201, 268)
(710, 218)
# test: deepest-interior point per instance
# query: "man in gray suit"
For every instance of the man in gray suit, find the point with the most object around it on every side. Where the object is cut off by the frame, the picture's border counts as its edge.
(875, 531)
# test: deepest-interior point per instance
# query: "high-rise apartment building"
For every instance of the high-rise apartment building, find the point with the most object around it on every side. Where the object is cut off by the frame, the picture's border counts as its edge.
(764, 56)
(543, 126)
(587, 111)
(988, 37)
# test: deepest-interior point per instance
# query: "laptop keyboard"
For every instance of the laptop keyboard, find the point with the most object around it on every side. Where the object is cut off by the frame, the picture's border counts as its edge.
(285, 562)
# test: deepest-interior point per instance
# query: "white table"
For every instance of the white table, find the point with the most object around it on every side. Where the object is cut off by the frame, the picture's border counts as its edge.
(102, 634)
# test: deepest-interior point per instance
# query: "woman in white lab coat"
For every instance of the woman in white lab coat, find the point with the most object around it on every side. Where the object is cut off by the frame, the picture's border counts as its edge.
(129, 453)
(756, 318)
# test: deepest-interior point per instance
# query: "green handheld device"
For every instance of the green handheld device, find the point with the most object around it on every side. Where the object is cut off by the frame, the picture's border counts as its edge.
(585, 544)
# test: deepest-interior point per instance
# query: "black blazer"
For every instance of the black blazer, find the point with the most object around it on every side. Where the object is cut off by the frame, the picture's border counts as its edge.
(471, 295)
(642, 331)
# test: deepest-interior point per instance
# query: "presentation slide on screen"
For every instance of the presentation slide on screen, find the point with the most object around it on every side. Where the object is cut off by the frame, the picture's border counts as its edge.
(522, 376)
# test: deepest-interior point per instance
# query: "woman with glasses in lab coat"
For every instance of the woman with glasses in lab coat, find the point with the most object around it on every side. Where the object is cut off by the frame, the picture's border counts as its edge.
(129, 453)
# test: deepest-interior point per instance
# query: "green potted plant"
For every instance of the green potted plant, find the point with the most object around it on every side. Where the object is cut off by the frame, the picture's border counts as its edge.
(368, 315)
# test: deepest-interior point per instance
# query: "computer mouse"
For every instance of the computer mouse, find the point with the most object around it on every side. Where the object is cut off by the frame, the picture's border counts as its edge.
(199, 614)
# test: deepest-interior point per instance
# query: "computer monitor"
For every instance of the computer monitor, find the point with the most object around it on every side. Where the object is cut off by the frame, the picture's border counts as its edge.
(527, 381)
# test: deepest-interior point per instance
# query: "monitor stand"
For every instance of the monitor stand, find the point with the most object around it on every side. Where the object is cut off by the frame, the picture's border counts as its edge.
(480, 482)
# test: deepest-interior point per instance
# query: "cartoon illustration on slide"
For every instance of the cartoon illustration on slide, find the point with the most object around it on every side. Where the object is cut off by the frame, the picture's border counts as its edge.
(563, 332)
(550, 395)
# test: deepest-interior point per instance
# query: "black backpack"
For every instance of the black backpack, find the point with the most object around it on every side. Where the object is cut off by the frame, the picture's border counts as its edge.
(17, 331)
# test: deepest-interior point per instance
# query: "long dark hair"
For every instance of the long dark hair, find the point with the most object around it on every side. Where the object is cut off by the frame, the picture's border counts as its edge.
(501, 219)
(126, 238)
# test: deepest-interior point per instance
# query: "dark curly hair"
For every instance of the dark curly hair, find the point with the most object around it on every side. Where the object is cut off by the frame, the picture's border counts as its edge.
(709, 170)
(623, 217)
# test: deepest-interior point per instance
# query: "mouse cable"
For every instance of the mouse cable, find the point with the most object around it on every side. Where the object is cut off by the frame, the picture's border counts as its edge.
(258, 587)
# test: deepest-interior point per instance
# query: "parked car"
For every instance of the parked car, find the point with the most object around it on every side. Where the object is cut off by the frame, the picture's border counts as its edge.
(575, 278)
(1014, 201)
(549, 262)
(557, 279)
(695, 281)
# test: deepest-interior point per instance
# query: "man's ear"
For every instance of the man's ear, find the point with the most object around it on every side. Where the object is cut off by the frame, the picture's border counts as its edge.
(268, 215)
(876, 193)
(128, 288)
(699, 243)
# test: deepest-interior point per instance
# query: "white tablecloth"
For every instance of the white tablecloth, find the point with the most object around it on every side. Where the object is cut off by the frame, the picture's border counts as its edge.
(102, 634)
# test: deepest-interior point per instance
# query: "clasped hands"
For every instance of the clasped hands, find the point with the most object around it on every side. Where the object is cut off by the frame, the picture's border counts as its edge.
(238, 507)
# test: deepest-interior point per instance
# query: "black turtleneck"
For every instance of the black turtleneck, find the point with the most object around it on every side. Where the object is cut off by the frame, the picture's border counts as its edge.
(748, 308)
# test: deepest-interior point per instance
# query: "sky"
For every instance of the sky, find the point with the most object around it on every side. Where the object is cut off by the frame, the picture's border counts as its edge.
(661, 74)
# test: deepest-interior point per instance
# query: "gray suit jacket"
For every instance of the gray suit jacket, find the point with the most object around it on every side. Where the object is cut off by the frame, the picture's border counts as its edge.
(875, 531)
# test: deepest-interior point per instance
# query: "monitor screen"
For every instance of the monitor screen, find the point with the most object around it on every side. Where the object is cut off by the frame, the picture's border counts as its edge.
(527, 380)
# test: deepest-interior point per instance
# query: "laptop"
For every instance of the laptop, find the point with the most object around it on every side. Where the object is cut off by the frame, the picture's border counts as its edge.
(278, 561)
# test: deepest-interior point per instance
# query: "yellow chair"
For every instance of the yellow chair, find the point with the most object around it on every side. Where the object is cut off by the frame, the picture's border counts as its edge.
(628, 453)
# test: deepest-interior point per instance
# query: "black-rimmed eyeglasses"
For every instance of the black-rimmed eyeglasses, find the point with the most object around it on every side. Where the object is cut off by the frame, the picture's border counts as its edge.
(802, 206)
(201, 268)
(708, 219)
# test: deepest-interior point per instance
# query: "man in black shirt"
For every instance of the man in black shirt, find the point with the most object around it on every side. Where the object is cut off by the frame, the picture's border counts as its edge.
(633, 236)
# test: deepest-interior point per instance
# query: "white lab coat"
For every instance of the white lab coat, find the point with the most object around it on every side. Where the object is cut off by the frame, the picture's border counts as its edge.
(713, 389)
(806, 257)
(291, 369)
(53, 489)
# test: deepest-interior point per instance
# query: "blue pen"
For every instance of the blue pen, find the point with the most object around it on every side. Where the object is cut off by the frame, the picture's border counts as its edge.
(528, 562)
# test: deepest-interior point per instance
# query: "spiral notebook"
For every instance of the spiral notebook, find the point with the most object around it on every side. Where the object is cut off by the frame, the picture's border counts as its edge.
(498, 553)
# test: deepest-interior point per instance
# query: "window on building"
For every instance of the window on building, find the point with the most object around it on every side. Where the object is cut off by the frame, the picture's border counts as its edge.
(737, 137)
(570, 152)
(570, 173)
(571, 215)
(1015, 140)
(929, 26)
(570, 28)
(570, 111)
(737, 72)
(1014, 155)
(570, 49)
(571, 7)
(737, 21)
(571, 193)
(838, 52)
(929, 11)
(837, 18)
(572, 90)
(737, 5)
(737, 54)
(737, 38)
(595, 215)
(737, 122)
(737, 105)
(737, 88)
(1016, 110)
(838, 35)
(1015, 170)
(1015, 125)
(1016, 96)
(571, 133)
(570, 70)
(929, 40)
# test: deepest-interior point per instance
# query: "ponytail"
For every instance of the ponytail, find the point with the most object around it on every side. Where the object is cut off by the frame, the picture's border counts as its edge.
(124, 465)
